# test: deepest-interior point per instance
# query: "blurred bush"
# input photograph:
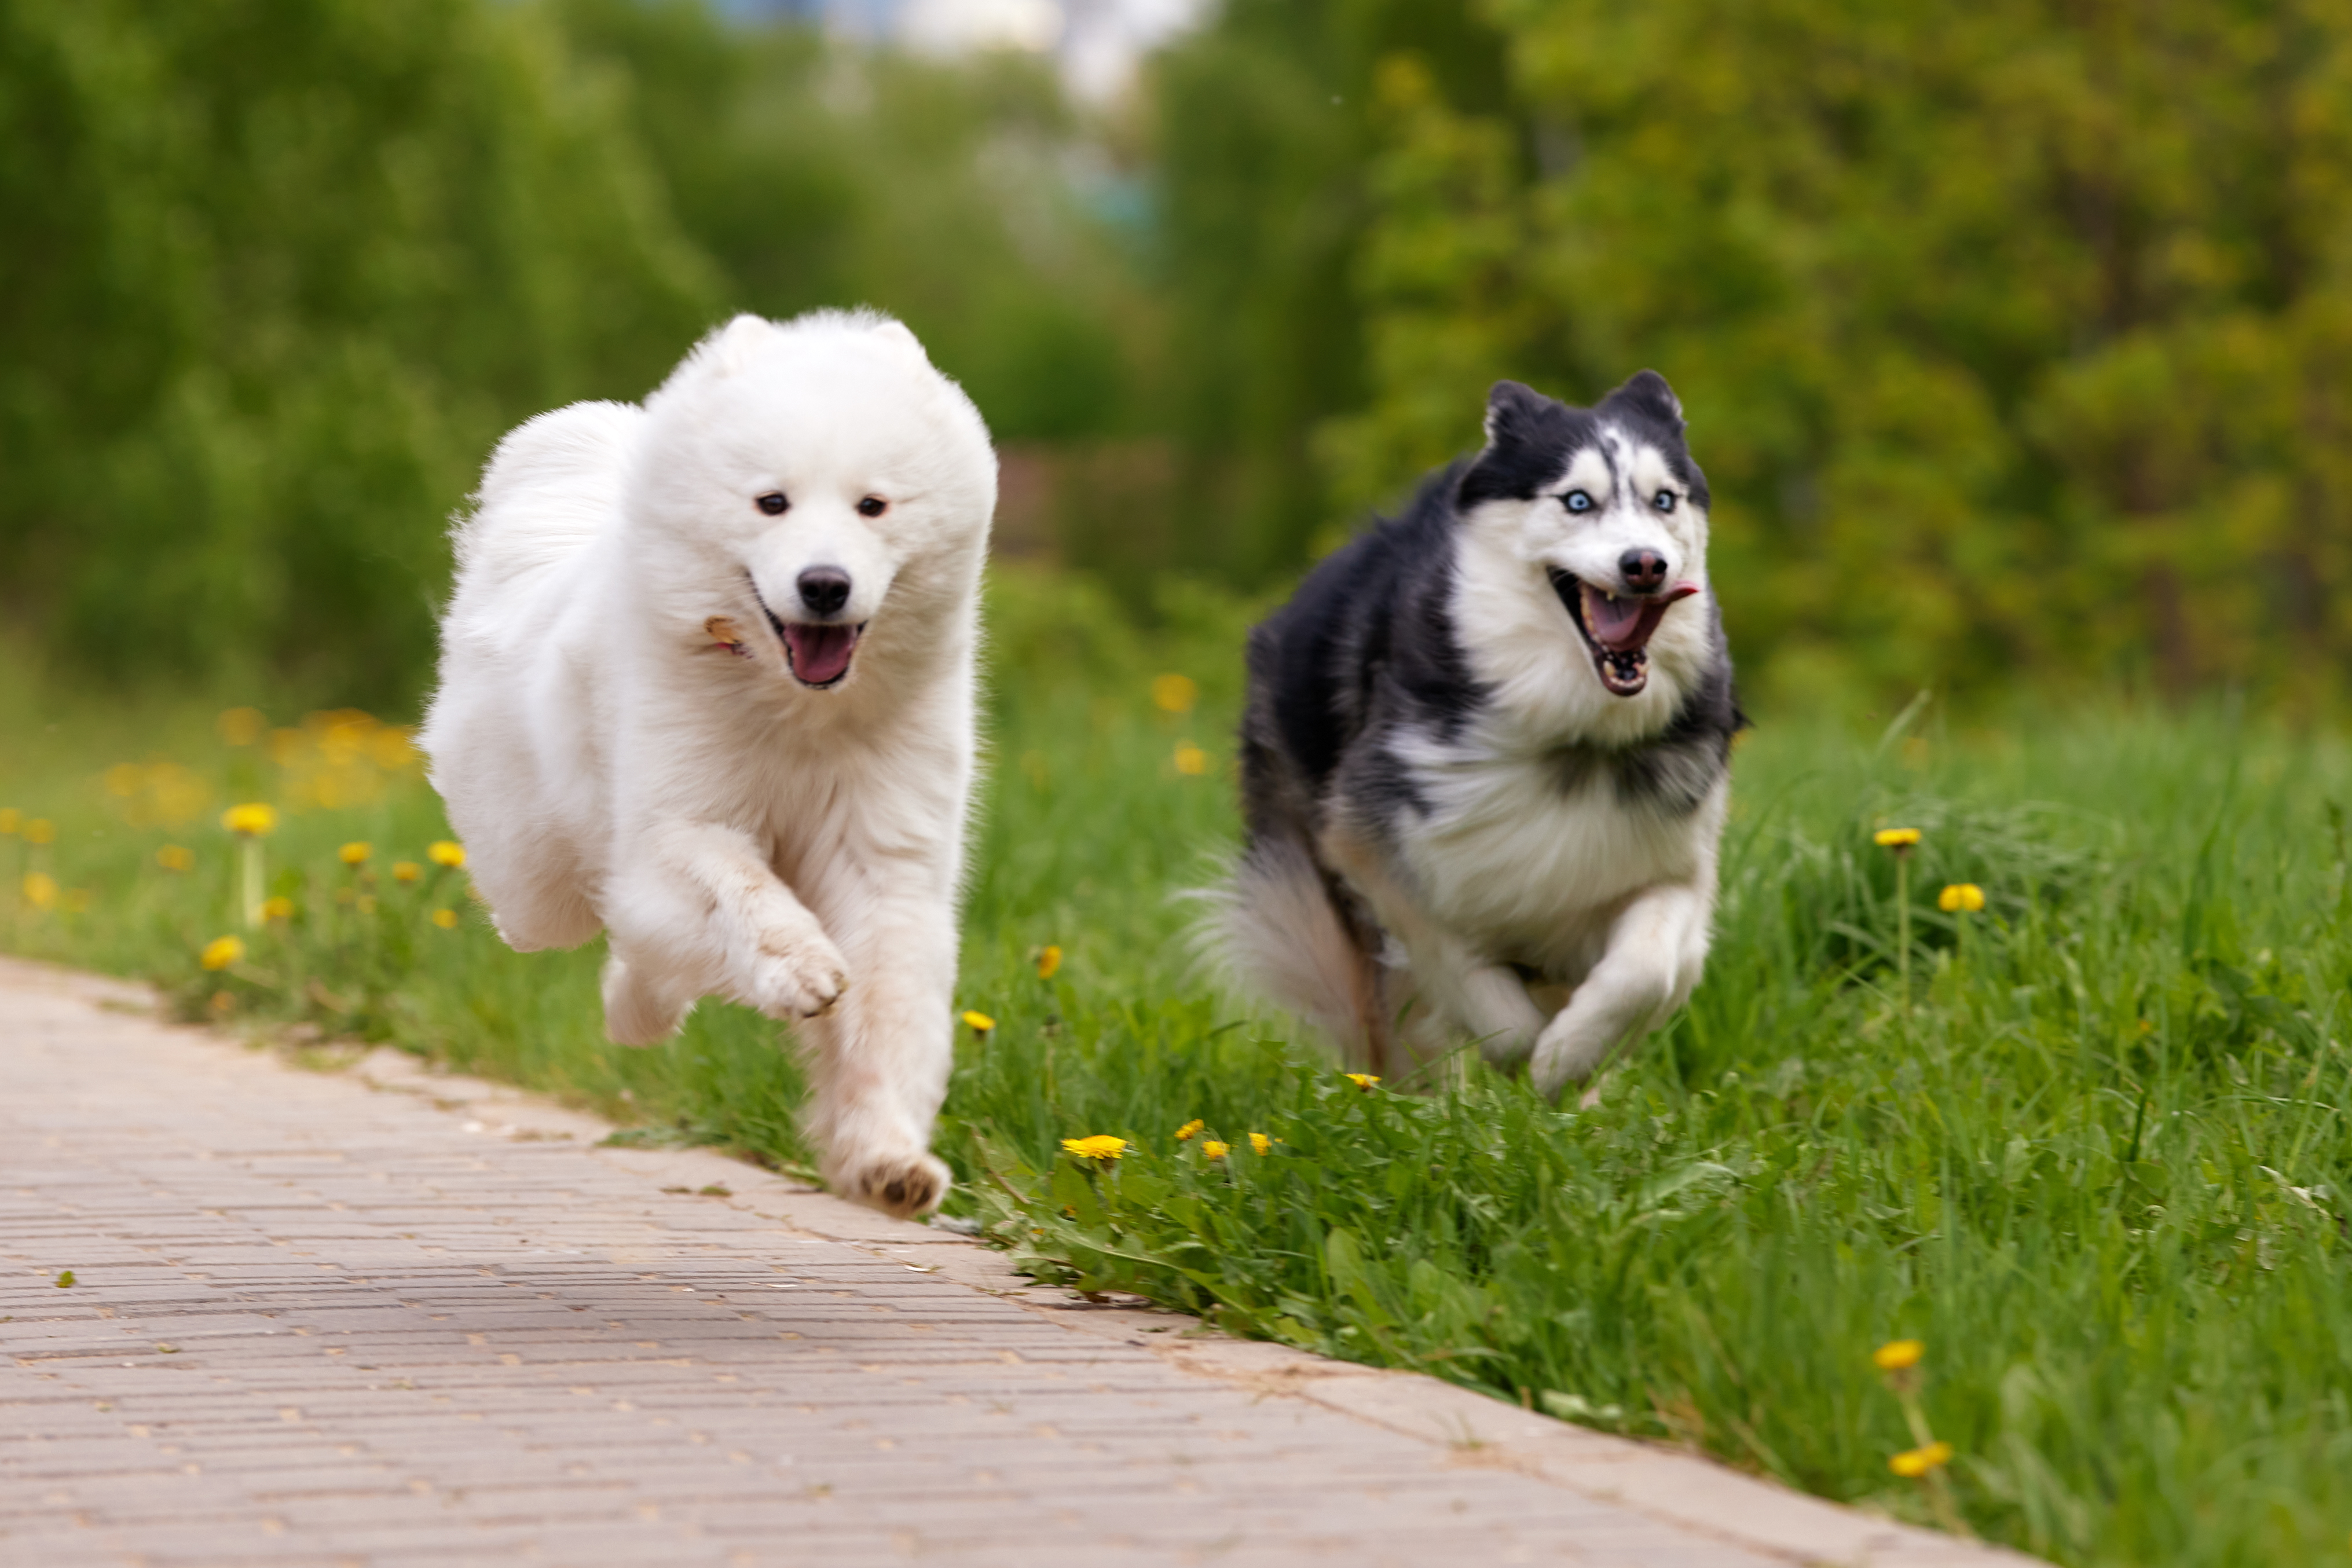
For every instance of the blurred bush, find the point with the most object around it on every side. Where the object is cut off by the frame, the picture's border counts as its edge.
(2017, 340)
(278, 271)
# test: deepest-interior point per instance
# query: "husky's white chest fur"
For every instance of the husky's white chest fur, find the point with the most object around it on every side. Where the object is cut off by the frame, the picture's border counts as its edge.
(1532, 857)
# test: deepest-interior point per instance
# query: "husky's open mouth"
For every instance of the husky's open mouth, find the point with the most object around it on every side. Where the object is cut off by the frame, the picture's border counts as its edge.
(1616, 626)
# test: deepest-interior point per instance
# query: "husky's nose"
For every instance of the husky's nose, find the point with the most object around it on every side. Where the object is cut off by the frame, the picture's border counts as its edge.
(824, 589)
(1645, 571)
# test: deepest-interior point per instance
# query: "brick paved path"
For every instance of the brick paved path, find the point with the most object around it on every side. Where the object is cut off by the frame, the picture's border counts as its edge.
(383, 1317)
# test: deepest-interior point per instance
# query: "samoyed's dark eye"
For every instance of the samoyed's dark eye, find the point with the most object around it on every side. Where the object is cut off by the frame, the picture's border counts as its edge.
(1664, 500)
(773, 503)
(1578, 501)
(872, 506)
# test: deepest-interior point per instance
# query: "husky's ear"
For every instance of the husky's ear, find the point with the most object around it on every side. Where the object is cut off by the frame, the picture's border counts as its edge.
(1514, 413)
(1647, 393)
(731, 348)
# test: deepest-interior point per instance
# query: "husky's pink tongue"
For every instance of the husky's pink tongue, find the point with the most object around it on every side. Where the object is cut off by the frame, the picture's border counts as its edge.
(1622, 624)
(820, 653)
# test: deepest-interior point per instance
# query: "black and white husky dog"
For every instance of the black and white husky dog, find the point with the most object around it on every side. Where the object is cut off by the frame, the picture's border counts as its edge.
(1484, 757)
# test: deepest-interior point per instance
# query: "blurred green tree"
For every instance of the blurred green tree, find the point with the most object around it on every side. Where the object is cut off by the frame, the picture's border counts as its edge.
(2017, 339)
(815, 173)
(278, 271)
(1262, 147)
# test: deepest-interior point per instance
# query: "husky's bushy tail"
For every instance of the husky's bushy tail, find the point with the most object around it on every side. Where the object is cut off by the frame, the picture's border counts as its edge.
(1270, 930)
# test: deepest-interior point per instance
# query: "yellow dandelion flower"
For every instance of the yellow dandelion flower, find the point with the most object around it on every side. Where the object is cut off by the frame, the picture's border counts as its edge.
(279, 908)
(221, 952)
(1100, 1146)
(1918, 1462)
(1174, 693)
(407, 870)
(1190, 760)
(40, 830)
(1363, 1081)
(367, 903)
(242, 726)
(355, 853)
(1896, 1354)
(979, 1023)
(1189, 1130)
(1260, 1143)
(175, 857)
(124, 779)
(251, 820)
(446, 852)
(11, 820)
(445, 919)
(1214, 1150)
(1895, 837)
(1960, 896)
(1049, 961)
(40, 889)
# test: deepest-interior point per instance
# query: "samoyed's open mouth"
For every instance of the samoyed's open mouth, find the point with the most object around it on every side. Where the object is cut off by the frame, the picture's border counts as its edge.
(1617, 627)
(818, 653)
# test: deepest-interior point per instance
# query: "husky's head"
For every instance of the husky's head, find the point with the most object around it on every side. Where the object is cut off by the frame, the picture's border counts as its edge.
(813, 471)
(1602, 510)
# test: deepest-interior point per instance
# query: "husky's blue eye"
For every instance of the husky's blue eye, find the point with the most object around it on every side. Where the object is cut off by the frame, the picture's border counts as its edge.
(773, 503)
(1578, 501)
(1664, 500)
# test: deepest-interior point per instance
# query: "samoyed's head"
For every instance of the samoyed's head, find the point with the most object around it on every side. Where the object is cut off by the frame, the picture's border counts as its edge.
(825, 480)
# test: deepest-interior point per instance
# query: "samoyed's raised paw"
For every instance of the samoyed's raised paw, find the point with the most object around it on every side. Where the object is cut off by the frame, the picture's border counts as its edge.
(791, 978)
(904, 1185)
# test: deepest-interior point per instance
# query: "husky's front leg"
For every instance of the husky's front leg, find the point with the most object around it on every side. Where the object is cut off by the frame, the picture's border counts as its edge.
(694, 908)
(878, 1063)
(1655, 951)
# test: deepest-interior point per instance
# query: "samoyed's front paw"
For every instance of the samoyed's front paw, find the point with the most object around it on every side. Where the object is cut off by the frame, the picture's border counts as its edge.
(796, 977)
(900, 1185)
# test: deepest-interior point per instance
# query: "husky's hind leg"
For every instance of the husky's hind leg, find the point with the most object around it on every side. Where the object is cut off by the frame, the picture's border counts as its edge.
(1280, 928)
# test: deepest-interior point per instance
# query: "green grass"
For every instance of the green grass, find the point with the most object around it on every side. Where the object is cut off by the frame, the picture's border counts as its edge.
(2100, 1164)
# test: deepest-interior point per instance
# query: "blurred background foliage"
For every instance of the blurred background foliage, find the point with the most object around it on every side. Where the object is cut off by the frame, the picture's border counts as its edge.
(2016, 337)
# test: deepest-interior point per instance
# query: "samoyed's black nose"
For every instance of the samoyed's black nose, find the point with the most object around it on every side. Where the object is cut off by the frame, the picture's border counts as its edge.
(1644, 570)
(824, 589)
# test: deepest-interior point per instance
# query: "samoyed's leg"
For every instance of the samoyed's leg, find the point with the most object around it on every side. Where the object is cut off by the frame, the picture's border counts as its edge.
(694, 909)
(644, 1000)
(1655, 951)
(878, 1063)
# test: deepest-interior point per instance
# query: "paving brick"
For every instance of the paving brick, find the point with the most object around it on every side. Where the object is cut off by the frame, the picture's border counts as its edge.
(420, 1320)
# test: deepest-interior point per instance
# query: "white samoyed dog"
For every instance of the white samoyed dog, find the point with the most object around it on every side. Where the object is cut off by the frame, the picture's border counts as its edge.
(707, 684)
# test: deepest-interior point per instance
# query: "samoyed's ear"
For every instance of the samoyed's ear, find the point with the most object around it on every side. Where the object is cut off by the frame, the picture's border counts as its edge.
(731, 348)
(899, 336)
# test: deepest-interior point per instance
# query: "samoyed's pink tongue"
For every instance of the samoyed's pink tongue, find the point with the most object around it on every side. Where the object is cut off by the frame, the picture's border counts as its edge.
(820, 653)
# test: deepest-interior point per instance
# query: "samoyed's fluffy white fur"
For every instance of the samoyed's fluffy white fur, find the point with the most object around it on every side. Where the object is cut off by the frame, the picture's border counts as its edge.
(707, 684)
